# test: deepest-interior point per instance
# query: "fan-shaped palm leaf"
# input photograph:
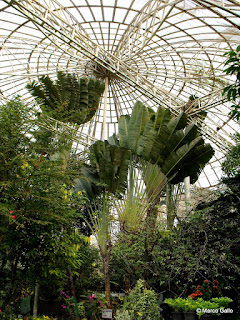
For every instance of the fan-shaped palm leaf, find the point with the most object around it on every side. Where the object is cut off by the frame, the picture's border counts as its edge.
(68, 99)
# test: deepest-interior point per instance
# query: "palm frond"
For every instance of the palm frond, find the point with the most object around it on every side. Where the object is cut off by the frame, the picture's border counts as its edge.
(68, 99)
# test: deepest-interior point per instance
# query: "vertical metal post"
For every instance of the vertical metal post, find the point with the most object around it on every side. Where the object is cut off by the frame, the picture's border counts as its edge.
(103, 133)
(187, 194)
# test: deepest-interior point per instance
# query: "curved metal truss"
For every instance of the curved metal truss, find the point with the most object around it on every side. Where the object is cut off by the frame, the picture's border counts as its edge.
(159, 52)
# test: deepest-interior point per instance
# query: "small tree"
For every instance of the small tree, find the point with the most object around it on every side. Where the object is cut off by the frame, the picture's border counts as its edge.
(109, 167)
(35, 201)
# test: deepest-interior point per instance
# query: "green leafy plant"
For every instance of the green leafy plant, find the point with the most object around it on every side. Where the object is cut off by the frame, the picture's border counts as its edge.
(222, 301)
(8, 314)
(180, 304)
(166, 142)
(43, 317)
(36, 202)
(82, 310)
(189, 304)
(213, 304)
(233, 90)
(202, 305)
(122, 315)
(231, 165)
(142, 303)
(198, 304)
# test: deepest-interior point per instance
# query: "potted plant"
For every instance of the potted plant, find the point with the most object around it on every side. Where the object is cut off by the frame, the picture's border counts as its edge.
(177, 306)
(192, 309)
(183, 308)
(203, 305)
(209, 302)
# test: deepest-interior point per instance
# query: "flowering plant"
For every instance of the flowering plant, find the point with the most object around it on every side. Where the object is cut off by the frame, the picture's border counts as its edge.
(68, 305)
(207, 290)
(94, 305)
(66, 298)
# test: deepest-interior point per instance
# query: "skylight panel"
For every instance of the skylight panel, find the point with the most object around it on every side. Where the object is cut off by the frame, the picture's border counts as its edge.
(97, 11)
(108, 14)
(110, 3)
(120, 15)
(94, 3)
(86, 13)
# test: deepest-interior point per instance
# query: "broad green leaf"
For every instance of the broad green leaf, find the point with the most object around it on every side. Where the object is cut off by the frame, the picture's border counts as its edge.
(137, 123)
(177, 123)
(201, 155)
(174, 161)
(113, 140)
(146, 141)
(123, 130)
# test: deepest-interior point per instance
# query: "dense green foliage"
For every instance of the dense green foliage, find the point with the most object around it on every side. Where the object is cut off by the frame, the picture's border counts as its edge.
(188, 304)
(204, 246)
(158, 138)
(111, 164)
(50, 203)
(39, 240)
(141, 303)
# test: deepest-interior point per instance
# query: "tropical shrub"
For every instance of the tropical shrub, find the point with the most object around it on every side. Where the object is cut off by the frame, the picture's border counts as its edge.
(141, 303)
(94, 304)
(122, 315)
(171, 261)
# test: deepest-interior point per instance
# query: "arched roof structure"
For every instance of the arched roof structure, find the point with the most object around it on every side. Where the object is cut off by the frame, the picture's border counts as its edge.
(159, 52)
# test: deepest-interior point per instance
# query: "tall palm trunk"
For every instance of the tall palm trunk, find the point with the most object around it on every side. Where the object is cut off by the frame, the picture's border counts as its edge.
(170, 205)
(154, 196)
(151, 218)
(106, 270)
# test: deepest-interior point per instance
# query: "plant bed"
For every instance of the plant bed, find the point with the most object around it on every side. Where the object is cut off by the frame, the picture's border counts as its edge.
(177, 316)
(190, 315)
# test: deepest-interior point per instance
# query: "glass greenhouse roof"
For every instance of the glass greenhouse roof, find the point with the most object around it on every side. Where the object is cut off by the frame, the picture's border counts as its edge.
(159, 52)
